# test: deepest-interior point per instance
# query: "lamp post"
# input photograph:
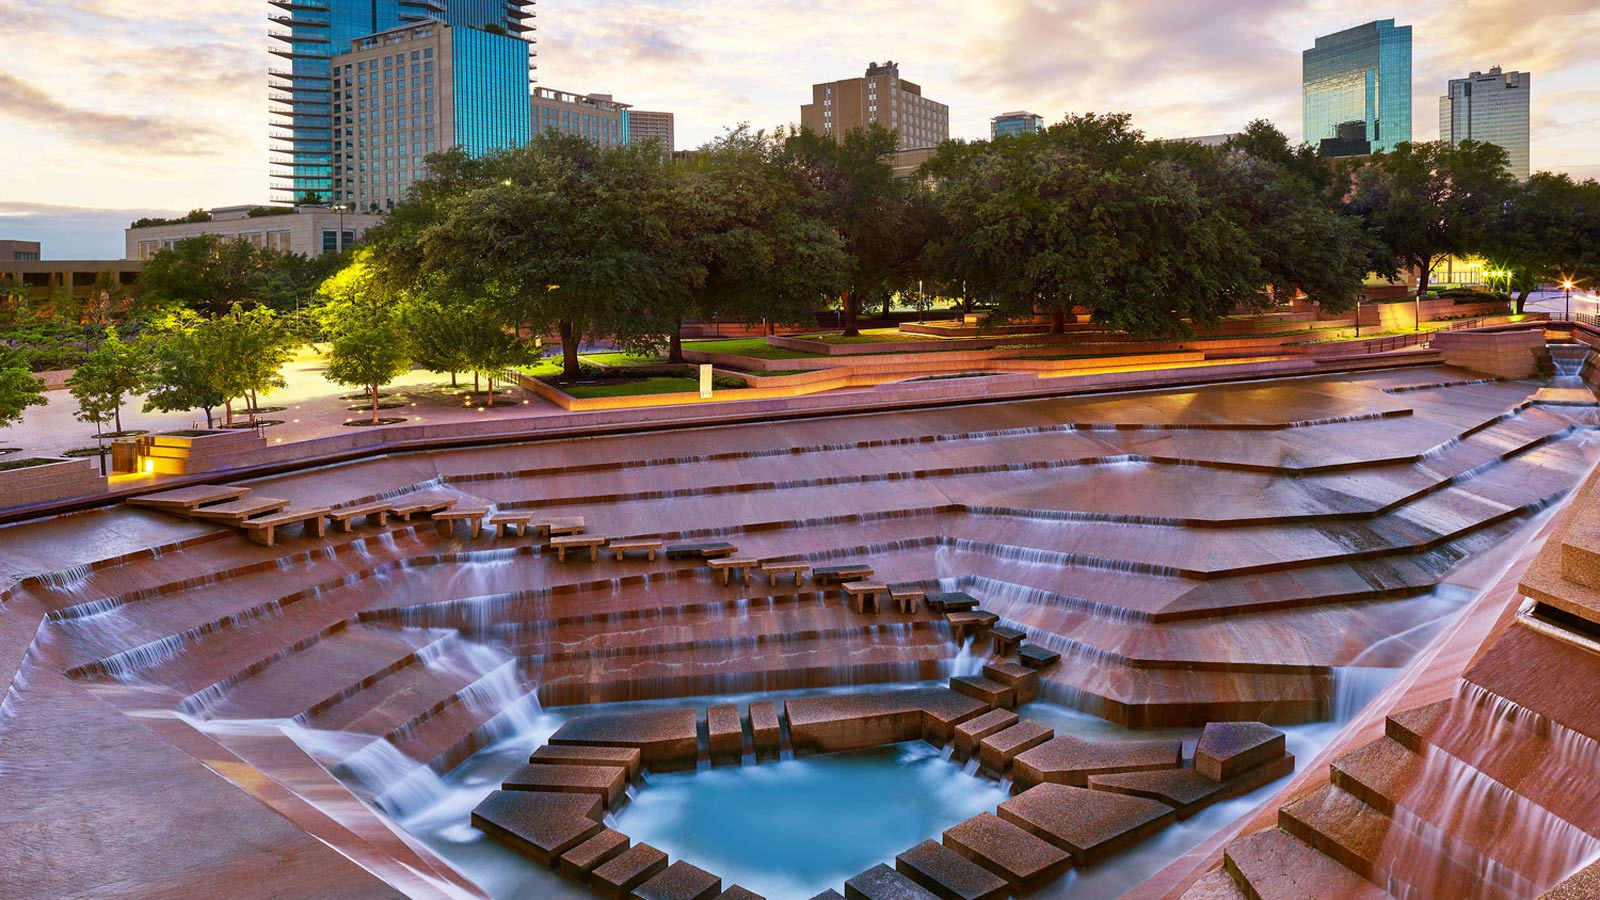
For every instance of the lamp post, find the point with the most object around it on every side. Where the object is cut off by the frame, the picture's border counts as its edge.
(341, 209)
(1567, 286)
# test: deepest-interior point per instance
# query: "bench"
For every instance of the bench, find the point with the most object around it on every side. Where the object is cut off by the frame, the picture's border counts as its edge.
(345, 517)
(445, 520)
(725, 565)
(906, 597)
(235, 511)
(564, 542)
(420, 506)
(865, 592)
(705, 550)
(963, 623)
(774, 569)
(848, 572)
(264, 530)
(1006, 639)
(951, 601)
(559, 525)
(188, 497)
(504, 524)
(649, 546)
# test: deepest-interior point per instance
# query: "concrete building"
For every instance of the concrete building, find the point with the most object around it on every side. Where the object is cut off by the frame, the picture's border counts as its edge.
(1209, 140)
(82, 278)
(309, 230)
(646, 125)
(881, 96)
(1356, 89)
(1019, 122)
(18, 250)
(1491, 107)
(404, 93)
(598, 117)
(308, 34)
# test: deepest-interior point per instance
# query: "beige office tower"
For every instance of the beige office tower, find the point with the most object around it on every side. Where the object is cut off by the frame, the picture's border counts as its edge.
(645, 125)
(1491, 107)
(880, 96)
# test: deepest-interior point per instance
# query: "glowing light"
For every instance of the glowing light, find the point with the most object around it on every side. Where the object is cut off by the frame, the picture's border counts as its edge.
(149, 466)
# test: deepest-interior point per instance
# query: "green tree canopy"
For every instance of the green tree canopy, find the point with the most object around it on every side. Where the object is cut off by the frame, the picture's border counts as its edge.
(370, 354)
(18, 389)
(1549, 232)
(103, 381)
(188, 358)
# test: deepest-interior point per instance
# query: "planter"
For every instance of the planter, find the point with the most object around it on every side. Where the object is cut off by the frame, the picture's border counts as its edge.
(44, 479)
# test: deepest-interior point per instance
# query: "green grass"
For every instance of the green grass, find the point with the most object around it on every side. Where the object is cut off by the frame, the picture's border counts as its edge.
(753, 347)
(618, 358)
(633, 388)
(550, 365)
(25, 463)
(869, 336)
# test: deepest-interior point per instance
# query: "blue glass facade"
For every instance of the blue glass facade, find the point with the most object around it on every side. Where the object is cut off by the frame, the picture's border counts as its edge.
(1014, 123)
(491, 90)
(309, 33)
(1356, 89)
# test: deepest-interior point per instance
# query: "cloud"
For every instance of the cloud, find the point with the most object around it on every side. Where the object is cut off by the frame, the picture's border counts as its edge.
(145, 134)
(71, 232)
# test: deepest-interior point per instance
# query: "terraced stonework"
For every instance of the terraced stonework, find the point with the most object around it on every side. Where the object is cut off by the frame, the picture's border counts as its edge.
(1169, 558)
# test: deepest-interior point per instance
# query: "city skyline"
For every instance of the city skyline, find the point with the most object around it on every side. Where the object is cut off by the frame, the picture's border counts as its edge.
(133, 128)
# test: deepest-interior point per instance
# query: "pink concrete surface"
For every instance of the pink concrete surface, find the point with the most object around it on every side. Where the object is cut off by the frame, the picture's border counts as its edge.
(1194, 554)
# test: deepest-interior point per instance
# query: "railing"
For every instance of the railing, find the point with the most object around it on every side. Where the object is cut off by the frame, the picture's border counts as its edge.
(1590, 319)
(1396, 342)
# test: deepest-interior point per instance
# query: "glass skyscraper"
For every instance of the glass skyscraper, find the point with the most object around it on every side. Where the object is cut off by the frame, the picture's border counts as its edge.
(1356, 89)
(311, 32)
(1491, 107)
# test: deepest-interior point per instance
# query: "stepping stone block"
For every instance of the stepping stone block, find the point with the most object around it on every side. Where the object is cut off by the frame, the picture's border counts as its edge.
(970, 732)
(607, 782)
(1024, 861)
(1035, 657)
(619, 875)
(705, 550)
(963, 624)
(1227, 749)
(1216, 884)
(739, 893)
(665, 739)
(578, 862)
(1069, 760)
(992, 693)
(1006, 638)
(726, 733)
(949, 875)
(1088, 824)
(1186, 790)
(540, 825)
(1021, 679)
(998, 750)
(680, 881)
(852, 721)
(951, 601)
(555, 754)
(1276, 864)
(765, 734)
(883, 883)
(829, 894)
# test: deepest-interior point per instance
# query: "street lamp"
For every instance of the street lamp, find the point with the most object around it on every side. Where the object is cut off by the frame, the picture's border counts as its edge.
(1567, 286)
(341, 209)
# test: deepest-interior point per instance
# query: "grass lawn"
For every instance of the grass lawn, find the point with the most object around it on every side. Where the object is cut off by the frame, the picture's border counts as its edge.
(550, 365)
(634, 388)
(754, 347)
(869, 336)
(617, 358)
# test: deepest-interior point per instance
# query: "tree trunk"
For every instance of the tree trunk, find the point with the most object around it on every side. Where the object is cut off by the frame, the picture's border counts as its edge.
(227, 405)
(887, 299)
(848, 303)
(209, 422)
(1422, 278)
(119, 407)
(1058, 321)
(569, 349)
(772, 327)
(453, 382)
(373, 389)
(477, 386)
(675, 343)
(490, 404)
(1521, 301)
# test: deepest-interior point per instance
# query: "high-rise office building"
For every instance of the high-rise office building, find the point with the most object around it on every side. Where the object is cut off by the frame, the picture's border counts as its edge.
(310, 33)
(880, 96)
(1356, 89)
(401, 94)
(645, 125)
(1009, 123)
(1491, 107)
(598, 117)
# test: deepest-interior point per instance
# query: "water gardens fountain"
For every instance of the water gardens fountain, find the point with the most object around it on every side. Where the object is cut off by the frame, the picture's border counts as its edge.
(1128, 619)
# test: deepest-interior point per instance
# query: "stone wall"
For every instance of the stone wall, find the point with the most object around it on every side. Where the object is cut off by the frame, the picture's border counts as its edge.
(1505, 354)
(56, 479)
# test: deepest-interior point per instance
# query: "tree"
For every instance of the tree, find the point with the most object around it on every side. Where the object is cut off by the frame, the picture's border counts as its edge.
(104, 380)
(18, 389)
(559, 233)
(1426, 201)
(187, 362)
(434, 325)
(250, 348)
(863, 201)
(370, 355)
(1549, 231)
(207, 274)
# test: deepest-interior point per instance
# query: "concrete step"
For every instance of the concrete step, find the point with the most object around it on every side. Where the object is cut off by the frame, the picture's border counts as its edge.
(1275, 865)
(948, 874)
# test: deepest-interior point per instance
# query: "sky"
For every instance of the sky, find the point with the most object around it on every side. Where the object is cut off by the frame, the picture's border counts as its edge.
(113, 110)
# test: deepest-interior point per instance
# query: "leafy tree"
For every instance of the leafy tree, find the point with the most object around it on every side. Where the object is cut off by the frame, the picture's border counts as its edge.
(187, 361)
(251, 349)
(103, 381)
(1427, 201)
(369, 354)
(434, 326)
(864, 203)
(1549, 231)
(1263, 141)
(487, 348)
(18, 389)
(14, 305)
(207, 274)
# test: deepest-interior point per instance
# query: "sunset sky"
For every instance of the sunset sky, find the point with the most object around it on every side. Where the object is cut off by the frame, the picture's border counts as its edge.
(114, 109)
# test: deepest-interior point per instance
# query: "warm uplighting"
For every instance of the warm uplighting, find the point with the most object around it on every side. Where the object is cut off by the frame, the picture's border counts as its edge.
(1566, 285)
(149, 466)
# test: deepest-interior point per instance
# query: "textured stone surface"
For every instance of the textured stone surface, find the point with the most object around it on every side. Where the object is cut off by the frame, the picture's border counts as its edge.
(1023, 860)
(665, 738)
(1068, 760)
(738, 893)
(852, 721)
(1278, 866)
(1018, 677)
(725, 732)
(765, 733)
(998, 750)
(618, 876)
(883, 883)
(543, 826)
(608, 783)
(1186, 790)
(578, 862)
(991, 693)
(680, 881)
(1088, 824)
(973, 730)
(557, 754)
(1226, 749)
(948, 874)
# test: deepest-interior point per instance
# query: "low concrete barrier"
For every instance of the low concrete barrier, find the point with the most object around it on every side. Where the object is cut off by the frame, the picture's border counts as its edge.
(50, 479)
